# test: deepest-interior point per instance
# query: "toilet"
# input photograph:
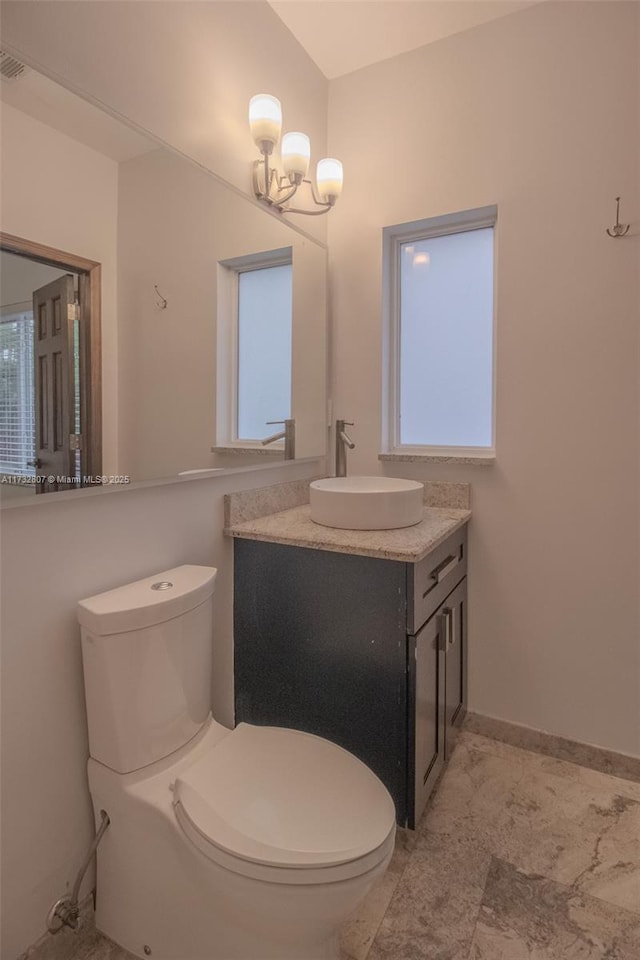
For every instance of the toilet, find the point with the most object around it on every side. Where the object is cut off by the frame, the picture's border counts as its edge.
(247, 844)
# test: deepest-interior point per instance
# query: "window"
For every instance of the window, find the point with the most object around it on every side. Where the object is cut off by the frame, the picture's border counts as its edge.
(264, 350)
(16, 392)
(439, 318)
(254, 346)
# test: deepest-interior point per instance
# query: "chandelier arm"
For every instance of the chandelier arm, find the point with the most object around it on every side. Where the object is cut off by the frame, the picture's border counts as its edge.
(264, 193)
(325, 206)
(267, 177)
(309, 213)
(280, 200)
(316, 198)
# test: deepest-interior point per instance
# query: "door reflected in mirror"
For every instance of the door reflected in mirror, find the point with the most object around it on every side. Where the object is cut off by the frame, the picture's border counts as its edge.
(50, 404)
(184, 319)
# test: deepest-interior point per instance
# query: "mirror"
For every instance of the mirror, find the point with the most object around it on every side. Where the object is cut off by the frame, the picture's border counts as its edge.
(152, 318)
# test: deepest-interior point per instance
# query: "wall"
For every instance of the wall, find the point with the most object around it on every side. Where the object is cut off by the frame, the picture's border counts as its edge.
(183, 71)
(44, 174)
(527, 112)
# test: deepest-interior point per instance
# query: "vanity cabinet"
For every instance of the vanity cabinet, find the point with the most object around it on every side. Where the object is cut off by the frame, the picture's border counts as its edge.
(369, 653)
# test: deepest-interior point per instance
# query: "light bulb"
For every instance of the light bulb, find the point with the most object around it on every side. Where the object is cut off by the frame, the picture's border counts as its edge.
(295, 152)
(329, 178)
(265, 118)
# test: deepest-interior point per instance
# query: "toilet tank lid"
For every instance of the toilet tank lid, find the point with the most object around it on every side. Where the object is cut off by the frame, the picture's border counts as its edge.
(144, 603)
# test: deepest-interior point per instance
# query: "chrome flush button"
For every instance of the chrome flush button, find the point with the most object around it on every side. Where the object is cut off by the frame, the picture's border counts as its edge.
(162, 585)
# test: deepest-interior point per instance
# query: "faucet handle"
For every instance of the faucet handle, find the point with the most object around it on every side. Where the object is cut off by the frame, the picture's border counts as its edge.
(271, 422)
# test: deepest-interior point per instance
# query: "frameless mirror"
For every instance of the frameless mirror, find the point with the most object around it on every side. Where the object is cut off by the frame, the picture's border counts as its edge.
(154, 321)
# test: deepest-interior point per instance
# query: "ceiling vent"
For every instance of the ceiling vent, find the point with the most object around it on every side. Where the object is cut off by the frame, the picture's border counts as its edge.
(10, 68)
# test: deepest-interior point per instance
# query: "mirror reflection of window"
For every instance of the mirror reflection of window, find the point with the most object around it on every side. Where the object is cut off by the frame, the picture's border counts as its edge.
(264, 349)
(17, 416)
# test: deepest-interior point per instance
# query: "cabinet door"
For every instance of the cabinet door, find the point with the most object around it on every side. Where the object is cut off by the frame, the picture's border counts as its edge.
(455, 639)
(427, 686)
(321, 646)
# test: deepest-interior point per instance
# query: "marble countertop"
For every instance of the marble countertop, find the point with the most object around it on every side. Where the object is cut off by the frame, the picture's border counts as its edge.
(409, 544)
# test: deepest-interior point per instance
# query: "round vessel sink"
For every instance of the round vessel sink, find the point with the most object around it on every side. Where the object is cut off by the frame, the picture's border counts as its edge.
(366, 503)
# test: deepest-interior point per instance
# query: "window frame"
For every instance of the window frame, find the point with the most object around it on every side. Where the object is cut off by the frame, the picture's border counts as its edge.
(228, 357)
(393, 237)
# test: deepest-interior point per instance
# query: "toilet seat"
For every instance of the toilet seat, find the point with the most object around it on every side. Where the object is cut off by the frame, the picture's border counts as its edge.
(280, 804)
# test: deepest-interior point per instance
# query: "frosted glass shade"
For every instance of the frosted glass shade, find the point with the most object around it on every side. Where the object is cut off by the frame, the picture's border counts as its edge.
(329, 178)
(265, 118)
(295, 152)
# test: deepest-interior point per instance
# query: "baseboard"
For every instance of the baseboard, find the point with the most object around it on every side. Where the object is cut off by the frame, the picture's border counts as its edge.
(584, 754)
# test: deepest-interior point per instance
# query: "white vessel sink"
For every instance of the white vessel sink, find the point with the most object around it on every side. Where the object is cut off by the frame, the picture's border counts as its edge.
(366, 503)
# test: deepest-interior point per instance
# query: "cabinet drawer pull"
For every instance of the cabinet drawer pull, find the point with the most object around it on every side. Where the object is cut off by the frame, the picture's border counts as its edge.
(441, 571)
(443, 629)
(446, 629)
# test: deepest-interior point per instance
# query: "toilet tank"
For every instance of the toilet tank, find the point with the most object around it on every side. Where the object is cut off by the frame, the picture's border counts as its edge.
(146, 654)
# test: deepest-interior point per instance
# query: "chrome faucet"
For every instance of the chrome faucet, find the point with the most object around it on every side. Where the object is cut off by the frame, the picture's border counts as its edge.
(343, 440)
(289, 435)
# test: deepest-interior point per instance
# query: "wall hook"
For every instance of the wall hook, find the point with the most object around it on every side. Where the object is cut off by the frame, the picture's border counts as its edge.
(619, 229)
(161, 302)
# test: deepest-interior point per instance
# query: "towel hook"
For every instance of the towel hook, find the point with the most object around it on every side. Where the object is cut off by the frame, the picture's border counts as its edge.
(619, 229)
(161, 302)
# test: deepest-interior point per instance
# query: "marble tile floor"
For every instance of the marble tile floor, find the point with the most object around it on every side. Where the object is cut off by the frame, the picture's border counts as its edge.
(518, 857)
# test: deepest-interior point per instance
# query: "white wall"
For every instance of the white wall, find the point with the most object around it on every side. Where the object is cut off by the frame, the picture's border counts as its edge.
(182, 70)
(537, 112)
(60, 193)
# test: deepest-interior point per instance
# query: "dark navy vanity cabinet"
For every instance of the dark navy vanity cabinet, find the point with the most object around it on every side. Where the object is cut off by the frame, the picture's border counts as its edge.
(369, 653)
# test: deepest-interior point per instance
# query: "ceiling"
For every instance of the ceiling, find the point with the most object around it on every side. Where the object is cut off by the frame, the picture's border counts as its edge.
(345, 35)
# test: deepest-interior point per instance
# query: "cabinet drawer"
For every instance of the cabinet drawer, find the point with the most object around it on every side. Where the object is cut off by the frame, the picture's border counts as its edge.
(435, 577)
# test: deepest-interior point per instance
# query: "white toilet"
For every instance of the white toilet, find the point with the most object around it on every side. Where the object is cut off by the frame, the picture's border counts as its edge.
(251, 844)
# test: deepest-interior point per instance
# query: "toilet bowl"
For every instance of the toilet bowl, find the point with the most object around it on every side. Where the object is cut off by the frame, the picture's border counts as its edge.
(247, 844)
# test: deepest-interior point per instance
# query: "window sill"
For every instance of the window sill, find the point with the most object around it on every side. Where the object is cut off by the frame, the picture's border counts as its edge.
(275, 451)
(481, 460)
